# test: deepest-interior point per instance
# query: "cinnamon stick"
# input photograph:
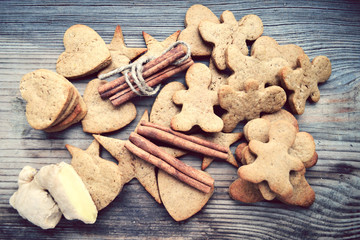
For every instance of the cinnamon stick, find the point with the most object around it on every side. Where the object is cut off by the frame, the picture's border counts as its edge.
(127, 94)
(197, 140)
(149, 69)
(177, 141)
(153, 149)
(166, 167)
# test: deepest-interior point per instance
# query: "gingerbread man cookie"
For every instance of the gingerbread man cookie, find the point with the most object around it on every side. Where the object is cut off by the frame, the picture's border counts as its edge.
(197, 102)
(245, 67)
(266, 48)
(304, 80)
(248, 104)
(230, 32)
(273, 162)
(194, 15)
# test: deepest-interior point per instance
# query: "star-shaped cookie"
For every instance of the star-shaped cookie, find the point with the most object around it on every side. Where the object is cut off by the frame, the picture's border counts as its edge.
(156, 48)
(224, 139)
(120, 54)
(130, 165)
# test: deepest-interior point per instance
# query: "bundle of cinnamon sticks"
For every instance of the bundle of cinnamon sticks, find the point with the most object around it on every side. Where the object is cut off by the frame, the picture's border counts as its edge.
(148, 151)
(154, 72)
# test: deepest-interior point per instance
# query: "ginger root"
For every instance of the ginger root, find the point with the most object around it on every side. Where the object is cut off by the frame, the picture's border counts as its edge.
(69, 191)
(33, 202)
(54, 190)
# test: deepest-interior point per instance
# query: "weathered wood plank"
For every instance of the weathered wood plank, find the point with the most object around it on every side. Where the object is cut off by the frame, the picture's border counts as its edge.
(31, 35)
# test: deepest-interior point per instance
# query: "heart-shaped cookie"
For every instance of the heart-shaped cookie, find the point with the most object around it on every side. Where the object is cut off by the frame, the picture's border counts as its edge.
(85, 53)
(102, 116)
(47, 95)
(180, 200)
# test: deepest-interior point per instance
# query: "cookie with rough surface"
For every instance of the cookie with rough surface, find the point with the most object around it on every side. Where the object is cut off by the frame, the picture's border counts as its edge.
(164, 109)
(85, 53)
(245, 191)
(191, 35)
(304, 80)
(47, 95)
(120, 54)
(130, 165)
(303, 194)
(245, 67)
(224, 139)
(273, 162)
(218, 77)
(156, 48)
(101, 177)
(248, 104)
(102, 116)
(197, 102)
(266, 48)
(230, 32)
(180, 200)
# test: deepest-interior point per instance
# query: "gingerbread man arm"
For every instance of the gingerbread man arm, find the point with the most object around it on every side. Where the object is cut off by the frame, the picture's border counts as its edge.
(179, 96)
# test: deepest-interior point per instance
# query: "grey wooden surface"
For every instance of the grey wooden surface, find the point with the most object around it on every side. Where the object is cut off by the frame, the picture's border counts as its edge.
(31, 37)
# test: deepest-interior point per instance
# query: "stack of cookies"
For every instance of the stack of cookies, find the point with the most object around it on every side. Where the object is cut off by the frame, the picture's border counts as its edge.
(53, 103)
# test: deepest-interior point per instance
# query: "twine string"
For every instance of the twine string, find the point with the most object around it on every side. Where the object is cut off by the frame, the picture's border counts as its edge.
(136, 69)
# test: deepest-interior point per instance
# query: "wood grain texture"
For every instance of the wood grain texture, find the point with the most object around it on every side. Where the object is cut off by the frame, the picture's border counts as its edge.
(31, 35)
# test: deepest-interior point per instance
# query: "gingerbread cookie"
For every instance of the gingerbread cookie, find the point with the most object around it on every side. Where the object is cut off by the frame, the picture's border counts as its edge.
(266, 48)
(102, 116)
(245, 191)
(282, 114)
(194, 15)
(230, 32)
(85, 53)
(101, 177)
(248, 104)
(239, 152)
(197, 102)
(164, 109)
(303, 147)
(245, 67)
(156, 48)
(218, 77)
(273, 162)
(53, 103)
(224, 139)
(303, 194)
(130, 165)
(120, 54)
(304, 80)
(180, 200)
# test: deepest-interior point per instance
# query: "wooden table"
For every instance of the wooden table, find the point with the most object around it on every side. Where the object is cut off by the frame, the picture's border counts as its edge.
(31, 35)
